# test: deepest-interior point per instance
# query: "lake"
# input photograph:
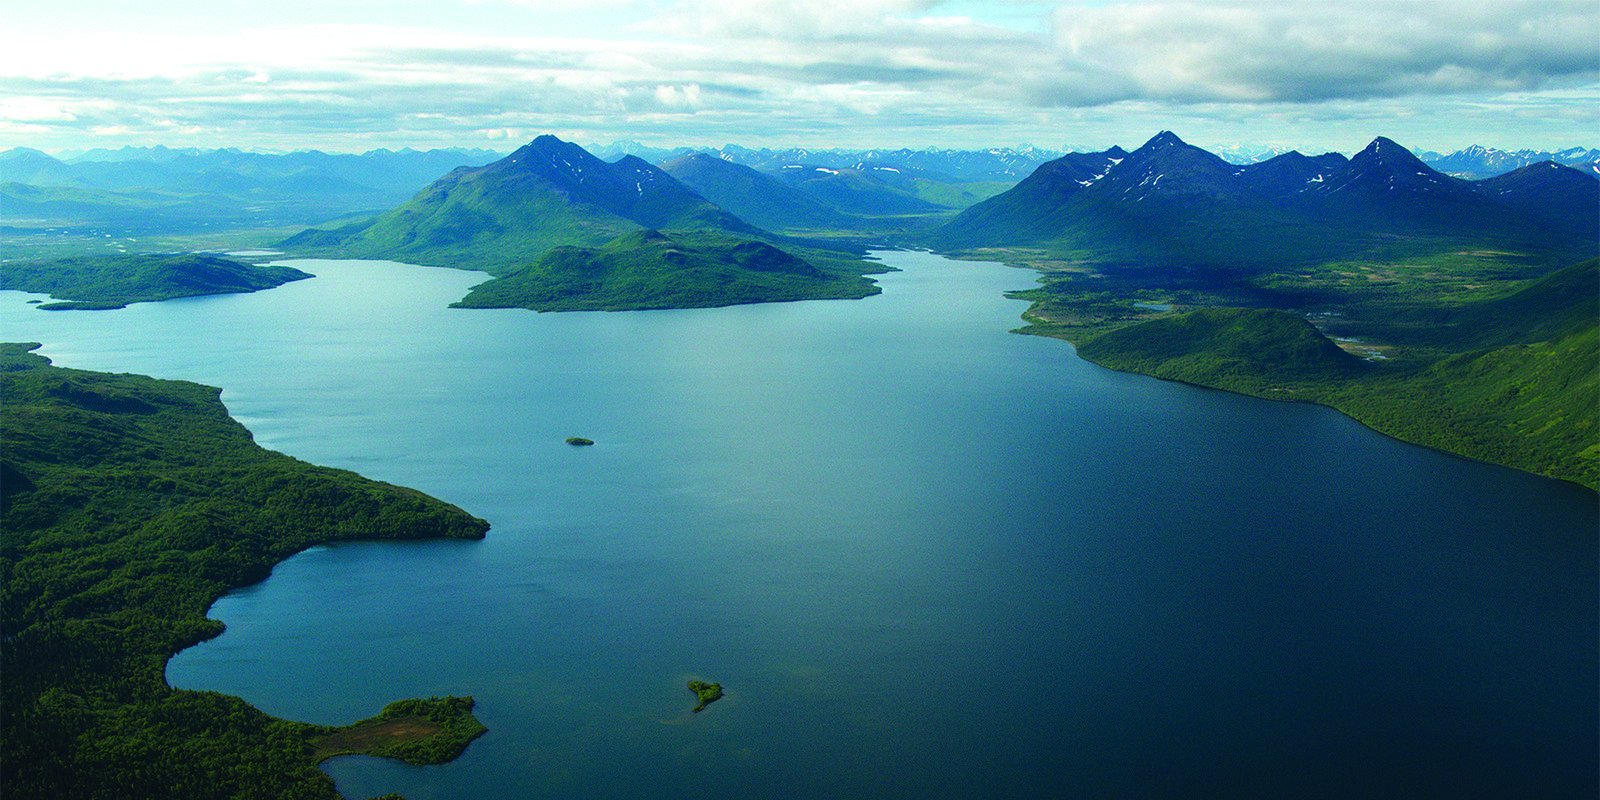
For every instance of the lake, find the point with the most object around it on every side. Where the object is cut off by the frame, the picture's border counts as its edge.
(925, 557)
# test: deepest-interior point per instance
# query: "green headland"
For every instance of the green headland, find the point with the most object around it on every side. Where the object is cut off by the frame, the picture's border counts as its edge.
(103, 282)
(128, 505)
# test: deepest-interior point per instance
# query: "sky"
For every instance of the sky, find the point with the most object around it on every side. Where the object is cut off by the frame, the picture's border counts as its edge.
(360, 74)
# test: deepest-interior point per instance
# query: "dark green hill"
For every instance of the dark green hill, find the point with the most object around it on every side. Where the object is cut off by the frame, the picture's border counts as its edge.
(649, 269)
(128, 506)
(113, 281)
(1255, 350)
(752, 196)
(505, 215)
(1555, 305)
(1513, 379)
(1533, 406)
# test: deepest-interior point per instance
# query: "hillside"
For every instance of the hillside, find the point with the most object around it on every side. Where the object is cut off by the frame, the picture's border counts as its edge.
(1255, 350)
(114, 281)
(649, 269)
(1513, 379)
(129, 505)
(505, 215)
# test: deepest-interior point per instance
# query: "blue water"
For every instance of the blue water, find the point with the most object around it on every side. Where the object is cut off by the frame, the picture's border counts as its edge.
(925, 557)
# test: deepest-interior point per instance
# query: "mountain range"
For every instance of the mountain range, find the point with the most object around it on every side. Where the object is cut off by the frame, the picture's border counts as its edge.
(1477, 161)
(992, 164)
(1171, 205)
(385, 175)
(157, 189)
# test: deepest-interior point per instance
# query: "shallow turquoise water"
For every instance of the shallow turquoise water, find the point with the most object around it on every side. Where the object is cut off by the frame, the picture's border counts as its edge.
(926, 557)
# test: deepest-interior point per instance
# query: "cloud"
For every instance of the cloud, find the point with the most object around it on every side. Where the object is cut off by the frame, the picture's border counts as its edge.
(809, 71)
(1256, 51)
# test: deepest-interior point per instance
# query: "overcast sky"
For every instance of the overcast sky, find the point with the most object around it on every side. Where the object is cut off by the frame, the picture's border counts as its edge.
(352, 75)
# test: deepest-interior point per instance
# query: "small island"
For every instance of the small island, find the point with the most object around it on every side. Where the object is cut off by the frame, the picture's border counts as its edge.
(579, 441)
(707, 692)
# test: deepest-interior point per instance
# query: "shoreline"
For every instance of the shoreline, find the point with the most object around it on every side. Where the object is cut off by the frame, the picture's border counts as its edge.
(1037, 325)
(156, 478)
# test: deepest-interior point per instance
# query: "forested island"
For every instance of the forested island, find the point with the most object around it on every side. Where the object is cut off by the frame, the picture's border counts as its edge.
(705, 693)
(104, 282)
(129, 505)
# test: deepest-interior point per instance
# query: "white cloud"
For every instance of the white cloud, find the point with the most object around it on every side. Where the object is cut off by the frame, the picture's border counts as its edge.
(1252, 50)
(809, 71)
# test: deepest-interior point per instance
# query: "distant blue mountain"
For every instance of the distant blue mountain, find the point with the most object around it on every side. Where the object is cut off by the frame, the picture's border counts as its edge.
(1171, 205)
(1477, 162)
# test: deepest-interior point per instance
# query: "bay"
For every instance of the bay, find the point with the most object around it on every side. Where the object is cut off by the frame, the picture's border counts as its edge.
(924, 556)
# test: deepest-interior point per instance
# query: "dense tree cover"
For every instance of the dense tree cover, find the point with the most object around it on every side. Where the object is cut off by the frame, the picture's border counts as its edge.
(1513, 379)
(705, 693)
(113, 281)
(430, 731)
(1232, 348)
(649, 269)
(127, 506)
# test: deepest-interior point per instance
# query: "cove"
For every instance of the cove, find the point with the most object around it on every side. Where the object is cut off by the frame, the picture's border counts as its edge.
(923, 556)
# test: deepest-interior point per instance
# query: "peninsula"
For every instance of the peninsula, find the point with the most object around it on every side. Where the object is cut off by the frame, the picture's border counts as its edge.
(104, 282)
(131, 504)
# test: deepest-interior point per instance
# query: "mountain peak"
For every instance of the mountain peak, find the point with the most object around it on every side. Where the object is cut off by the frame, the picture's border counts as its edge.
(1164, 139)
(1385, 149)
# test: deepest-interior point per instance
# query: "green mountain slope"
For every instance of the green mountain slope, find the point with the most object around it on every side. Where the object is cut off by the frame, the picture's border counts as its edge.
(127, 506)
(1254, 350)
(1513, 379)
(113, 281)
(649, 269)
(505, 215)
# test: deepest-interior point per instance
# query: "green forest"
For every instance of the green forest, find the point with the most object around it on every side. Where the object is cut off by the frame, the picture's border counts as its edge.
(129, 505)
(1511, 378)
(650, 269)
(91, 282)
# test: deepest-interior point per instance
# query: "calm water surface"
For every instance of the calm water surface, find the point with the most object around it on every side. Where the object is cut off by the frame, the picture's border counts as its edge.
(926, 558)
